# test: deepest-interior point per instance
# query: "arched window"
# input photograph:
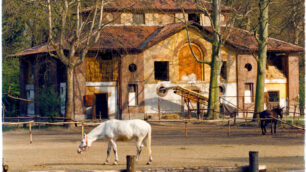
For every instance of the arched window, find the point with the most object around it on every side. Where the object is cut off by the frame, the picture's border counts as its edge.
(188, 66)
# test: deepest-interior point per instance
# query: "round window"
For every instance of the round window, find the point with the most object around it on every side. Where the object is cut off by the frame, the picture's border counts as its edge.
(248, 66)
(221, 90)
(162, 91)
(132, 67)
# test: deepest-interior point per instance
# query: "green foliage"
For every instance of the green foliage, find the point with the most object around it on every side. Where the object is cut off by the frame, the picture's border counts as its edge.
(49, 102)
(10, 84)
(302, 84)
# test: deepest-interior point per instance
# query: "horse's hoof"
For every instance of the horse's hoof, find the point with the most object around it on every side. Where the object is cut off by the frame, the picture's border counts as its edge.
(105, 163)
(115, 163)
(148, 163)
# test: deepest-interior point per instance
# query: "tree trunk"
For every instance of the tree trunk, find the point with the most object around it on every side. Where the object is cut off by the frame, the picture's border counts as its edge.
(262, 56)
(213, 102)
(69, 102)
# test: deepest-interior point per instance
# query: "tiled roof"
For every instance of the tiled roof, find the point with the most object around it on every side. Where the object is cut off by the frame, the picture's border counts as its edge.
(123, 37)
(153, 5)
(140, 38)
(246, 40)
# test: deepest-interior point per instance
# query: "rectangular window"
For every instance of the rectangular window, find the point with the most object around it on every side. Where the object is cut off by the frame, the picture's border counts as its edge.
(194, 17)
(248, 93)
(161, 71)
(139, 18)
(273, 96)
(133, 94)
(224, 71)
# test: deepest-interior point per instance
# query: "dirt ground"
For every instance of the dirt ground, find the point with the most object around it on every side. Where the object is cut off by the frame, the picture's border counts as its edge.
(55, 148)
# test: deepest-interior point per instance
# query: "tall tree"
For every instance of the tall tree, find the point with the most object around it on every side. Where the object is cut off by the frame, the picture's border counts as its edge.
(262, 54)
(218, 39)
(72, 37)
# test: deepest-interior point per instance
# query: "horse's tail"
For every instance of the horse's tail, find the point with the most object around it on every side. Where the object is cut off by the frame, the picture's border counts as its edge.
(149, 151)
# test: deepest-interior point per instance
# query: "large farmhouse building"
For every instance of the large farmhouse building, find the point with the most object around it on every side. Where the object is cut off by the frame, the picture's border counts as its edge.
(145, 50)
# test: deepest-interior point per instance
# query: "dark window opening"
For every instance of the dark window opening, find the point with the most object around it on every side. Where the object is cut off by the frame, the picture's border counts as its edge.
(221, 90)
(273, 96)
(194, 18)
(161, 71)
(101, 104)
(107, 56)
(248, 67)
(223, 70)
(139, 18)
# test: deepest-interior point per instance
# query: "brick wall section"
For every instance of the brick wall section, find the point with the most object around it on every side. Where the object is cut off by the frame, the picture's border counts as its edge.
(128, 77)
(245, 76)
(293, 78)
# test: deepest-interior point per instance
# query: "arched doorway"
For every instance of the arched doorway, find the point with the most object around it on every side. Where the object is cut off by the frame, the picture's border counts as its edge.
(188, 66)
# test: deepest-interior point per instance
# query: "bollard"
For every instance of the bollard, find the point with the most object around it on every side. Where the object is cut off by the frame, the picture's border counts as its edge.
(253, 161)
(130, 163)
(5, 168)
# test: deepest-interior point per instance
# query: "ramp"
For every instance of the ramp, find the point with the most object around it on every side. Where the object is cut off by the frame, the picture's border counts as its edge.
(190, 95)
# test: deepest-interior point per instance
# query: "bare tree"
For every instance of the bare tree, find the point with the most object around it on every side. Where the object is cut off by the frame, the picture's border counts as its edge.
(262, 54)
(71, 45)
(218, 40)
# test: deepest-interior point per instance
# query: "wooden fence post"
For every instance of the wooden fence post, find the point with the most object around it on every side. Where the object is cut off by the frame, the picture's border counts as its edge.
(82, 129)
(294, 115)
(229, 128)
(30, 131)
(253, 161)
(100, 117)
(130, 163)
(186, 129)
(159, 114)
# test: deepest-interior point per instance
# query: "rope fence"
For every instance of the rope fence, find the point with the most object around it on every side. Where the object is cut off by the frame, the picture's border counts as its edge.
(185, 122)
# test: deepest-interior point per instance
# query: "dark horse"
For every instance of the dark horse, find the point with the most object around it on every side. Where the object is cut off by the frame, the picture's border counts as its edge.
(270, 116)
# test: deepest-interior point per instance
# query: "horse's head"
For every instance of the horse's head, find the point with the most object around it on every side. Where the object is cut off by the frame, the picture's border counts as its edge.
(84, 144)
(279, 111)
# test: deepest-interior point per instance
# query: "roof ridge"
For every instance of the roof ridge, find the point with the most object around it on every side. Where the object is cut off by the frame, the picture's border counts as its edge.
(146, 42)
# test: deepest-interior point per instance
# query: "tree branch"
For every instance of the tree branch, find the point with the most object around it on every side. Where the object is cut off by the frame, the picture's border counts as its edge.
(189, 42)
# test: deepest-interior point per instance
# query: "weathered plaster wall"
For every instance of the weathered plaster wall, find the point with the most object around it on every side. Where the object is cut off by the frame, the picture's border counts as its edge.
(126, 18)
(169, 50)
(204, 20)
(159, 18)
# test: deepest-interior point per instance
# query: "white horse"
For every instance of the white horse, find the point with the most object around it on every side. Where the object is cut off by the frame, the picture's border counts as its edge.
(120, 130)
